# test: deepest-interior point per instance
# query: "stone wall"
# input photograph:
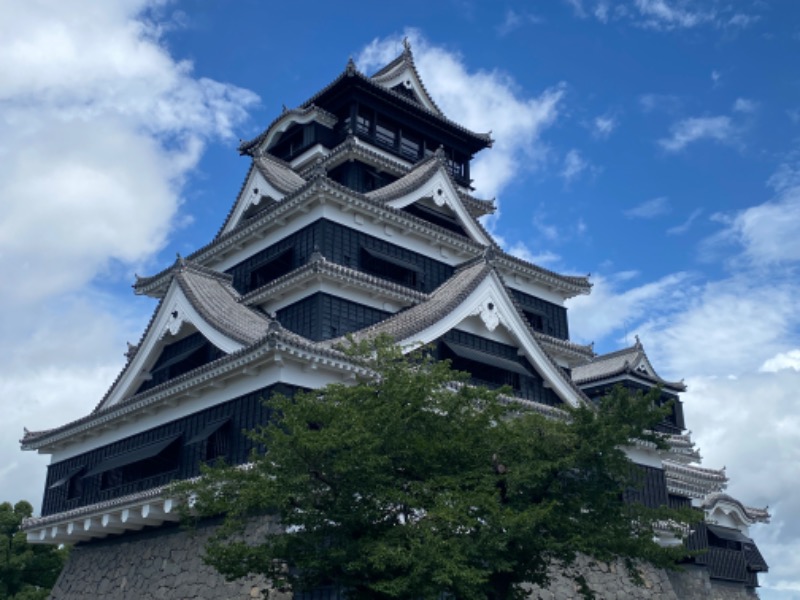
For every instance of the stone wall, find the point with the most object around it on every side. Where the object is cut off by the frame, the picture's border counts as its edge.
(166, 564)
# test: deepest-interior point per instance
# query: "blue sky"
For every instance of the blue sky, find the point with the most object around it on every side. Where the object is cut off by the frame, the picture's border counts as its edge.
(652, 143)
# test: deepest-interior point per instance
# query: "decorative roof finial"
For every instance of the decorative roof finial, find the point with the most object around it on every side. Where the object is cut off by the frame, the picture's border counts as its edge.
(439, 154)
(132, 348)
(488, 253)
(406, 45)
(351, 67)
(284, 110)
(638, 343)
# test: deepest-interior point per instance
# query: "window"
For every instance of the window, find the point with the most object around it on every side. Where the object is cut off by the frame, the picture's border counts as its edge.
(215, 440)
(72, 482)
(536, 320)
(390, 267)
(147, 461)
(272, 269)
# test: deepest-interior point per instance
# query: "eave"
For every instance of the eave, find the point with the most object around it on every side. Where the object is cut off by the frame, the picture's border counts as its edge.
(277, 346)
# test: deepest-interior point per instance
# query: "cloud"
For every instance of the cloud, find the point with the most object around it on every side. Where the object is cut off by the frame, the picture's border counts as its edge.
(100, 129)
(744, 105)
(514, 20)
(716, 76)
(782, 360)
(765, 234)
(611, 310)
(603, 126)
(481, 101)
(521, 250)
(649, 209)
(574, 166)
(686, 225)
(577, 8)
(694, 129)
(668, 103)
(660, 14)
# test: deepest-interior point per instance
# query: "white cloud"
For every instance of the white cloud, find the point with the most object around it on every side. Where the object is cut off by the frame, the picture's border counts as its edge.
(687, 131)
(610, 310)
(668, 103)
(649, 209)
(661, 14)
(782, 360)
(715, 77)
(574, 165)
(100, 128)
(601, 11)
(577, 8)
(687, 224)
(514, 20)
(744, 105)
(521, 250)
(766, 233)
(482, 101)
(604, 125)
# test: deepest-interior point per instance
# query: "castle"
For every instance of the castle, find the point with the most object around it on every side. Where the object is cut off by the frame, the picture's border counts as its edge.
(356, 216)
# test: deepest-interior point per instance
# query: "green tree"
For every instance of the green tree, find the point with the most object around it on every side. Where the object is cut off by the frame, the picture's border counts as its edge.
(27, 571)
(406, 485)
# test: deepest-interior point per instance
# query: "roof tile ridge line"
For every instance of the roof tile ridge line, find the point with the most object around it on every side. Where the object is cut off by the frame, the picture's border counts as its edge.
(521, 315)
(246, 145)
(615, 353)
(331, 267)
(402, 186)
(195, 268)
(577, 280)
(211, 318)
(350, 144)
(259, 345)
(486, 137)
(407, 57)
(129, 361)
(232, 209)
(470, 286)
(568, 344)
(403, 214)
(263, 217)
(750, 511)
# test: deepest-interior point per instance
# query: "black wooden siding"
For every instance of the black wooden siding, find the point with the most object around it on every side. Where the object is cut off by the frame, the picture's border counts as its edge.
(543, 316)
(530, 387)
(727, 559)
(180, 357)
(341, 245)
(243, 413)
(322, 316)
(649, 487)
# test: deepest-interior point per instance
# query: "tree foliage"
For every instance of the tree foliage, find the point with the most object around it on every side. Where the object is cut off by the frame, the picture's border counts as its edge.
(410, 484)
(27, 571)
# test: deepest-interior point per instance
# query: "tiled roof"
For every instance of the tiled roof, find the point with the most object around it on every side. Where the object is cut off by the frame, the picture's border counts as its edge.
(321, 183)
(399, 64)
(756, 515)
(249, 146)
(279, 173)
(353, 148)
(621, 362)
(351, 71)
(415, 178)
(442, 301)
(317, 265)
(275, 338)
(213, 296)
(207, 290)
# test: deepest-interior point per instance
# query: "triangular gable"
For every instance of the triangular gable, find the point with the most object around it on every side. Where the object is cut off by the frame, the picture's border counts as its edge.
(401, 77)
(475, 291)
(267, 182)
(176, 316)
(430, 181)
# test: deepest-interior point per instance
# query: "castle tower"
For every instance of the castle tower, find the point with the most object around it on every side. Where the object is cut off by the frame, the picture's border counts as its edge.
(356, 216)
